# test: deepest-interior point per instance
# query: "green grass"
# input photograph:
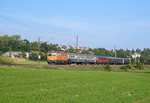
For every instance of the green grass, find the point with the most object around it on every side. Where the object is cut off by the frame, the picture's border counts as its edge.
(32, 62)
(10, 60)
(30, 85)
(6, 60)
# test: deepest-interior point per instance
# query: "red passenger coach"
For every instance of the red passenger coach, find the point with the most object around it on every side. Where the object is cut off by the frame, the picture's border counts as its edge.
(102, 60)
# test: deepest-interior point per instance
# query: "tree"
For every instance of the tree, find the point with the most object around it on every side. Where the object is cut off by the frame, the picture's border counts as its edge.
(33, 56)
(16, 37)
(24, 55)
(44, 47)
(121, 53)
(71, 50)
(34, 46)
(107, 67)
(26, 46)
(43, 56)
(138, 51)
(1, 52)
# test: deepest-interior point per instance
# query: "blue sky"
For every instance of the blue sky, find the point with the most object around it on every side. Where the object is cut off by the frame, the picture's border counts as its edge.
(99, 23)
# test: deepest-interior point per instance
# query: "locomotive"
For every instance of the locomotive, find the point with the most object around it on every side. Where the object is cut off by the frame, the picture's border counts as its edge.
(59, 57)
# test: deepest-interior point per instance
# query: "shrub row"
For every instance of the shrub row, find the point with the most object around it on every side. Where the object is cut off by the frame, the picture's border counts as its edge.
(126, 67)
(6, 60)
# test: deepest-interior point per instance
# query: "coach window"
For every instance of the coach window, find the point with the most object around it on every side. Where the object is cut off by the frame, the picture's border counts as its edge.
(72, 57)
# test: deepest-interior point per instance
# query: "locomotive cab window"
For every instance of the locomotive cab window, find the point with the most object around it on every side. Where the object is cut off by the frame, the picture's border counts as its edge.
(49, 54)
(52, 54)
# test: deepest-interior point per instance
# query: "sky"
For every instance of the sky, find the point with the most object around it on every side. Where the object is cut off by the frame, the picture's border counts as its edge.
(98, 23)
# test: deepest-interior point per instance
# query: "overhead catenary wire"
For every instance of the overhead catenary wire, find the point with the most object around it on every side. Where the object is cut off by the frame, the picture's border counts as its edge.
(68, 39)
(28, 26)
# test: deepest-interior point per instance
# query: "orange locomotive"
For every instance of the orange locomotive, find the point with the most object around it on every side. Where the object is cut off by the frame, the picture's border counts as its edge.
(57, 57)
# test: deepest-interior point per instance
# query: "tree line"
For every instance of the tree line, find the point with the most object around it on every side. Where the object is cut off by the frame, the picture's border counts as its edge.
(15, 43)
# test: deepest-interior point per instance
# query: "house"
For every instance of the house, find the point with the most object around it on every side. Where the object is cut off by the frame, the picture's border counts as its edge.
(135, 55)
(13, 54)
(70, 47)
(43, 42)
(62, 47)
(16, 54)
(27, 54)
(82, 48)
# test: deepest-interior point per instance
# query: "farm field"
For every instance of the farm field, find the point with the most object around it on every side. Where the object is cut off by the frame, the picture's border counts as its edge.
(34, 85)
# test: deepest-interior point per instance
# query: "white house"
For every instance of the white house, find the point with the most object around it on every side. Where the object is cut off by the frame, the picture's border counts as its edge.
(82, 48)
(13, 54)
(16, 54)
(135, 55)
(62, 47)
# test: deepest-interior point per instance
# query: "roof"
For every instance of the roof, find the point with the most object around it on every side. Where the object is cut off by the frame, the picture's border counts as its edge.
(12, 53)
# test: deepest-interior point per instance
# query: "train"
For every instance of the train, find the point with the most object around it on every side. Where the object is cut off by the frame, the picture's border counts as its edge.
(59, 57)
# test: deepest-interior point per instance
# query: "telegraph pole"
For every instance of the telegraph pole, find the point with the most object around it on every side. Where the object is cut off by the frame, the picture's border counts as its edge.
(76, 48)
(115, 51)
(77, 44)
(39, 57)
(135, 56)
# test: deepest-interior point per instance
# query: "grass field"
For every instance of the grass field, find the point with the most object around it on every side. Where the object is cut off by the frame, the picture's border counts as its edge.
(9, 60)
(32, 85)
(32, 62)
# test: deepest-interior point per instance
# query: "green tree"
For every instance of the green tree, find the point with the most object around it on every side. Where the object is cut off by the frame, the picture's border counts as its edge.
(138, 51)
(34, 46)
(107, 67)
(33, 56)
(44, 47)
(16, 37)
(121, 53)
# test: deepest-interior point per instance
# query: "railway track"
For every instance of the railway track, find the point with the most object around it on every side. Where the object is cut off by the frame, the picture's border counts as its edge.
(50, 65)
(21, 64)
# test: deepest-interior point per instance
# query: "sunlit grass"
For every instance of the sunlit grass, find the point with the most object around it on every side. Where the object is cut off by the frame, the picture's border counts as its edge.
(30, 85)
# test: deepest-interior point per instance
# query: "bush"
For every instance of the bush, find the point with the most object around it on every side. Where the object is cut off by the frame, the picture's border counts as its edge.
(43, 56)
(107, 67)
(123, 67)
(139, 66)
(128, 66)
(1, 52)
(6, 60)
(33, 56)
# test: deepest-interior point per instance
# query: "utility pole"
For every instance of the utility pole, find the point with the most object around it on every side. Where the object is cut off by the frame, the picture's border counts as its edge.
(115, 51)
(88, 50)
(77, 44)
(39, 57)
(76, 48)
(135, 56)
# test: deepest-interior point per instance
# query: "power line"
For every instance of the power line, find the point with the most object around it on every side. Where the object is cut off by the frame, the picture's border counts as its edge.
(10, 19)
(28, 26)
(35, 28)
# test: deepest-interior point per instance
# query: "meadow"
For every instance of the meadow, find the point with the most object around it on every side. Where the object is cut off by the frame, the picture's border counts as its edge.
(63, 85)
